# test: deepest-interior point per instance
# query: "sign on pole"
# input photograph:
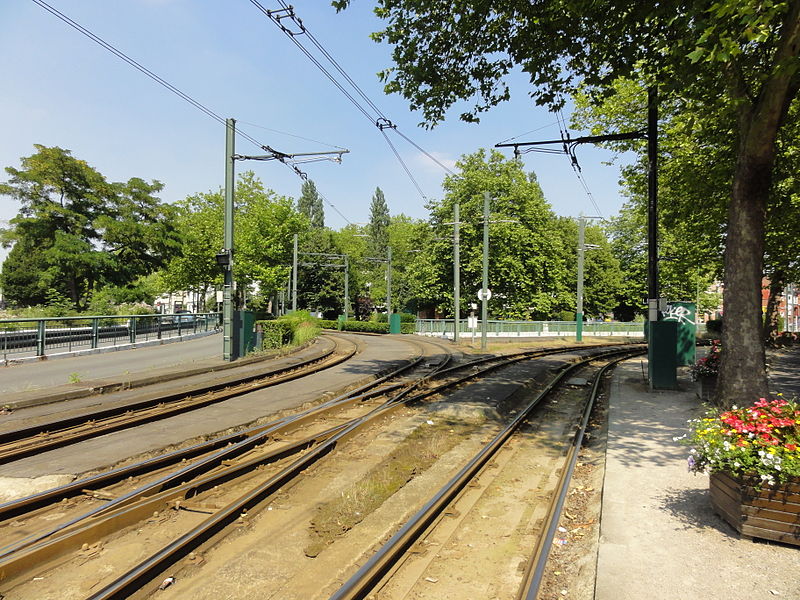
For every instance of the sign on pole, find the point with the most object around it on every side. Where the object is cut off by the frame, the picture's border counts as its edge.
(484, 294)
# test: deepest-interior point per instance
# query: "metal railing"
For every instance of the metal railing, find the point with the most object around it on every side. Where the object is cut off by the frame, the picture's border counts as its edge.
(445, 327)
(39, 337)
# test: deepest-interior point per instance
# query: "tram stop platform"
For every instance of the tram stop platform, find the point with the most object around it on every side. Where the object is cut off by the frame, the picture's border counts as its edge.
(659, 538)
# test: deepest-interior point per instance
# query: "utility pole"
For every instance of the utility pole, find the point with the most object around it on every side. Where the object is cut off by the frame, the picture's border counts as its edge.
(389, 282)
(652, 204)
(485, 288)
(228, 351)
(579, 311)
(346, 287)
(294, 276)
(456, 274)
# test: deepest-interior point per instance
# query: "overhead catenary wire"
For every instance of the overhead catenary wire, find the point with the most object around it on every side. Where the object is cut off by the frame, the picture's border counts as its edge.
(569, 150)
(371, 111)
(284, 158)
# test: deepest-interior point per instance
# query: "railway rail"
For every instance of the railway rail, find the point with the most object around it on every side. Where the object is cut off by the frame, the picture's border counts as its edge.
(27, 441)
(236, 457)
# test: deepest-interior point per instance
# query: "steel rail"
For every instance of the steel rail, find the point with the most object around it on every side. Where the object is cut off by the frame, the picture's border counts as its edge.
(534, 572)
(363, 581)
(156, 564)
(232, 445)
(75, 429)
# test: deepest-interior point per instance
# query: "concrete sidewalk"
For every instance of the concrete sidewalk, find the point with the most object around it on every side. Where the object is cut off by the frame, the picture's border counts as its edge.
(659, 538)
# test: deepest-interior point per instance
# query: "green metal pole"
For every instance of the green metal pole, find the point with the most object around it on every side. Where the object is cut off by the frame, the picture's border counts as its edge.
(389, 281)
(579, 311)
(485, 288)
(228, 351)
(456, 274)
(346, 288)
(294, 276)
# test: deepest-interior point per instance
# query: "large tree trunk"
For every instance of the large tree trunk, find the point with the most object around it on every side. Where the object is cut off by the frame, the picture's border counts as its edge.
(742, 376)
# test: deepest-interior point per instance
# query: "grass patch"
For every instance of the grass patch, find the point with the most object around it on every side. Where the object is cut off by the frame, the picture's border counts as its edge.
(410, 458)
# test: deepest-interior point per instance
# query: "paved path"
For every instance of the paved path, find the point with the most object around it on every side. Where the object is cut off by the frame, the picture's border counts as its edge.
(49, 373)
(659, 538)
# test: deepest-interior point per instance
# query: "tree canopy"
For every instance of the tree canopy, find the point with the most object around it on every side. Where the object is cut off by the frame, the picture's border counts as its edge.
(75, 231)
(747, 51)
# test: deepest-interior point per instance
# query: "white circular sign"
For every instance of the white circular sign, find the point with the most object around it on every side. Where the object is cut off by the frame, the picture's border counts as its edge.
(484, 294)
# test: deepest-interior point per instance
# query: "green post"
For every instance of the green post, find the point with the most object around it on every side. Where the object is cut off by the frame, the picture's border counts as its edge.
(95, 332)
(456, 274)
(41, 332)
(579, 311)
(394, 323)
(228, 350)
(389, 282)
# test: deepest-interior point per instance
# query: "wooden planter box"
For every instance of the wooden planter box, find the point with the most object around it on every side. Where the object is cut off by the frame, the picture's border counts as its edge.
(771, 513)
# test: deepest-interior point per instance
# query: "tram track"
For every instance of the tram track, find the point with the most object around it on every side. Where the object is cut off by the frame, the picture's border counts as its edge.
(372, 576)
(57, 433)
(178, 490)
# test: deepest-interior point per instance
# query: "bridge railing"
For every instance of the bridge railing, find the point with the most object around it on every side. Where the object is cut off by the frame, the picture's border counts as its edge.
(445, 328)
(40, 337)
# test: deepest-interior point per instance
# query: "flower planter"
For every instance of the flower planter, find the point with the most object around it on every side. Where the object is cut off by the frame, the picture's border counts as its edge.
(708, 387)
(770, 513)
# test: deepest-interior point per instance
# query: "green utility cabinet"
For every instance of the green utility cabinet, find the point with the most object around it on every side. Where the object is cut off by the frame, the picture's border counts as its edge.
(662, 356)
(684, 314)
(245, 338)
(394, 323)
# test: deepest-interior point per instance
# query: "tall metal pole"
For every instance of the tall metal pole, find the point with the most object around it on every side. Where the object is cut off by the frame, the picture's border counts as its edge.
(294, 276)
(485, 288)
(579, 310)
(228, 351)
(652, 201)
(389, 281)
(346, 287)
(456, 274)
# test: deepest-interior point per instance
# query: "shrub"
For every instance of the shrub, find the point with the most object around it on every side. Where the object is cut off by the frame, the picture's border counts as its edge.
(275, 334)
(295, 328)
(565, 315)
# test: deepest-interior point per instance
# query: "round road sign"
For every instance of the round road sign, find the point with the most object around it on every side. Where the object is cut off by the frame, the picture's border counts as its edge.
(485, 294)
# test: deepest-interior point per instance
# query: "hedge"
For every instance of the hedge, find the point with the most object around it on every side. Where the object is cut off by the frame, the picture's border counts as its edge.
(275, 334)
(364, 326)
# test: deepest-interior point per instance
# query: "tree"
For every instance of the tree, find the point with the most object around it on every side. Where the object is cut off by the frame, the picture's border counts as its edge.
(310, 204)
(745, 50)
(76, 232)
(602, 277)
(378, 223)
(264, 227)
(527, 275)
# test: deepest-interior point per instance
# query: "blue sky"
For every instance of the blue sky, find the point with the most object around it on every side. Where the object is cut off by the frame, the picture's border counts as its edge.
(61, 89)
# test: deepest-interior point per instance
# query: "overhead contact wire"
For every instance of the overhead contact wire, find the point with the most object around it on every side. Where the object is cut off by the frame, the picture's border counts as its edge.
(377, 118)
